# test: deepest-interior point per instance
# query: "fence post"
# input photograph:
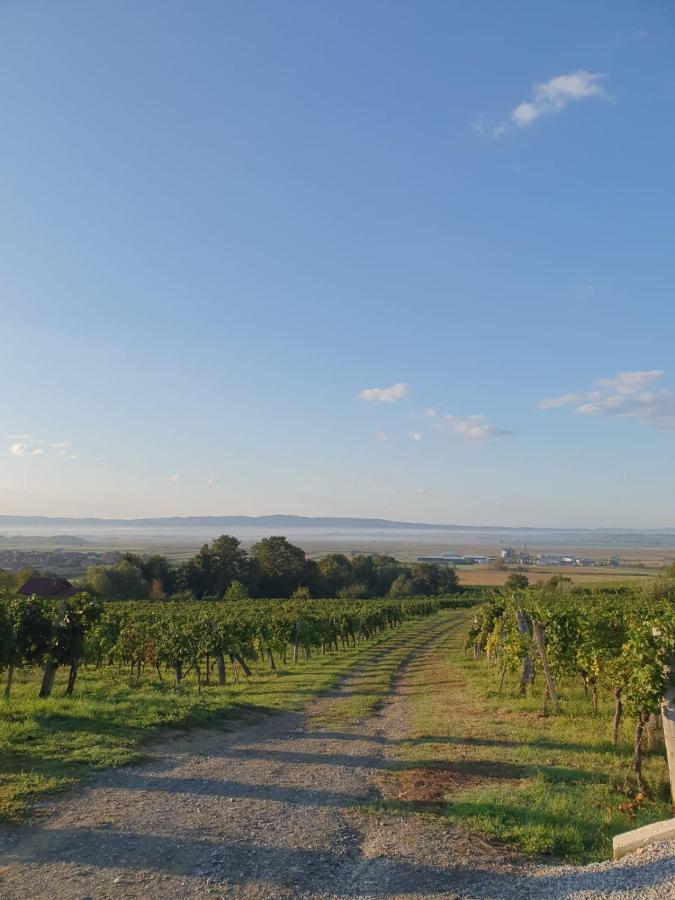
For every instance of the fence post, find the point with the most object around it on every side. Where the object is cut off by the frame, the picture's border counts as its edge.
(668, 718)
(528, 665)
(538, 629)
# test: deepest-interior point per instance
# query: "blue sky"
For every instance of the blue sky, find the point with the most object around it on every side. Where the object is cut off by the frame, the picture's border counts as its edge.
(221, 223)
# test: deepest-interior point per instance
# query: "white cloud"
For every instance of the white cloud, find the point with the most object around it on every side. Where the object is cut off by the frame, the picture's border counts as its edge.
(626, 395)
(391, 394)
(19, 448)
(174, 478)
(414, 436)
(382, 435)
(475, 428)
(430, 413)
(212, 482)
(556, 402)
(24, 445)
(554, 95)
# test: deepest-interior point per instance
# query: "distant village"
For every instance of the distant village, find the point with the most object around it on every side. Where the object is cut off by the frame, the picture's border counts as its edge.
(511, 556)
(58, 561)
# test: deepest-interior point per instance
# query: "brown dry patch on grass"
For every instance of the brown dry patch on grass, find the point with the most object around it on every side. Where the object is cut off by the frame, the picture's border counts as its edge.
(429, 786)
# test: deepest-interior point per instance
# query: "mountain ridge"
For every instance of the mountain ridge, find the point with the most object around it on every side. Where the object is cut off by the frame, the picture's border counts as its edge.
(289, 521)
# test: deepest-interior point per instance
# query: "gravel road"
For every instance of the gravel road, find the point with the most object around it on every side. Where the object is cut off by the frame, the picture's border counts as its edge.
(271, 809)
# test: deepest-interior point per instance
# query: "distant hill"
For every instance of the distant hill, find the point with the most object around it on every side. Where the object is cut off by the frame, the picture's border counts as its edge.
(280, 522)
(275, 521)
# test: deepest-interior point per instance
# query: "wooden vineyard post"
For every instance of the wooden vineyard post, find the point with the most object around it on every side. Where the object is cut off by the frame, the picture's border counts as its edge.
(528, 665)
(668, 717)
(539, 638)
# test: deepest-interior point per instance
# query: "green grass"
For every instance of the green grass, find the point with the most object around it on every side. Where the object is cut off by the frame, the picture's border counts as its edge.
(367, 692)
(46, 745)
(548, 785)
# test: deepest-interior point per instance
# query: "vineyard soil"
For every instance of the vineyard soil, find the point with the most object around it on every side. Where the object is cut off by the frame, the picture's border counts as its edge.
(318, 802)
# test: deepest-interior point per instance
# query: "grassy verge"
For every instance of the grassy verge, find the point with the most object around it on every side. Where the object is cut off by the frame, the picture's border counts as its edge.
(368, 691)
(547, 785)
(48, 744)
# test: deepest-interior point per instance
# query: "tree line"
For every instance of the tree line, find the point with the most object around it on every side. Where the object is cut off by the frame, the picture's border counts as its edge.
(272, 568)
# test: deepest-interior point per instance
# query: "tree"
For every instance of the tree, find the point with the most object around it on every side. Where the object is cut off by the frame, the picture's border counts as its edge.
(448, 581)
(364, 572)
(336, 573)
(387, 569)
(214, 567)
(8, 582)
(425, 577)
(402, 586)
(122, 581)
(161, 576)
(236, 591)
(280, 566)
(516, 582)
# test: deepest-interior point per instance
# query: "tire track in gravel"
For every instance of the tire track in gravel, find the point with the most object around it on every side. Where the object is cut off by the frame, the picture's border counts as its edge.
(271, 809)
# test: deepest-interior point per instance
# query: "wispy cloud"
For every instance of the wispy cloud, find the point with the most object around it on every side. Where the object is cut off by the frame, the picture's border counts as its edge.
(382, 435)
(554, 95)
(548, 97)
(475, 428)
(25, 445)
(414, 435)
(20, 448)
(391, 394)
(430, 413)
(174, 478)
(212, 482)
(626, 395)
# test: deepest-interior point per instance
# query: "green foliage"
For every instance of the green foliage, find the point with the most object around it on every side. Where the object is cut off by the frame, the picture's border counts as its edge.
(401, 586)
(179, 635)
(273, 568)
(618, 641)
(123, 581)
(516, 582)
(281, 566)
(215, 567)
(236, 591)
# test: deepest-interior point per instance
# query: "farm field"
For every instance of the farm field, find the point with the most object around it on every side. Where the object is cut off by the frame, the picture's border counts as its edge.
(482, 576)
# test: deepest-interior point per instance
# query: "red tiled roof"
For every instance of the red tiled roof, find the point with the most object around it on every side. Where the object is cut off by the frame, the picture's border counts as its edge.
(47, 587)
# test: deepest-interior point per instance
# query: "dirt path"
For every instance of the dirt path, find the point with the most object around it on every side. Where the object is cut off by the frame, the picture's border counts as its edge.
(272, 810)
